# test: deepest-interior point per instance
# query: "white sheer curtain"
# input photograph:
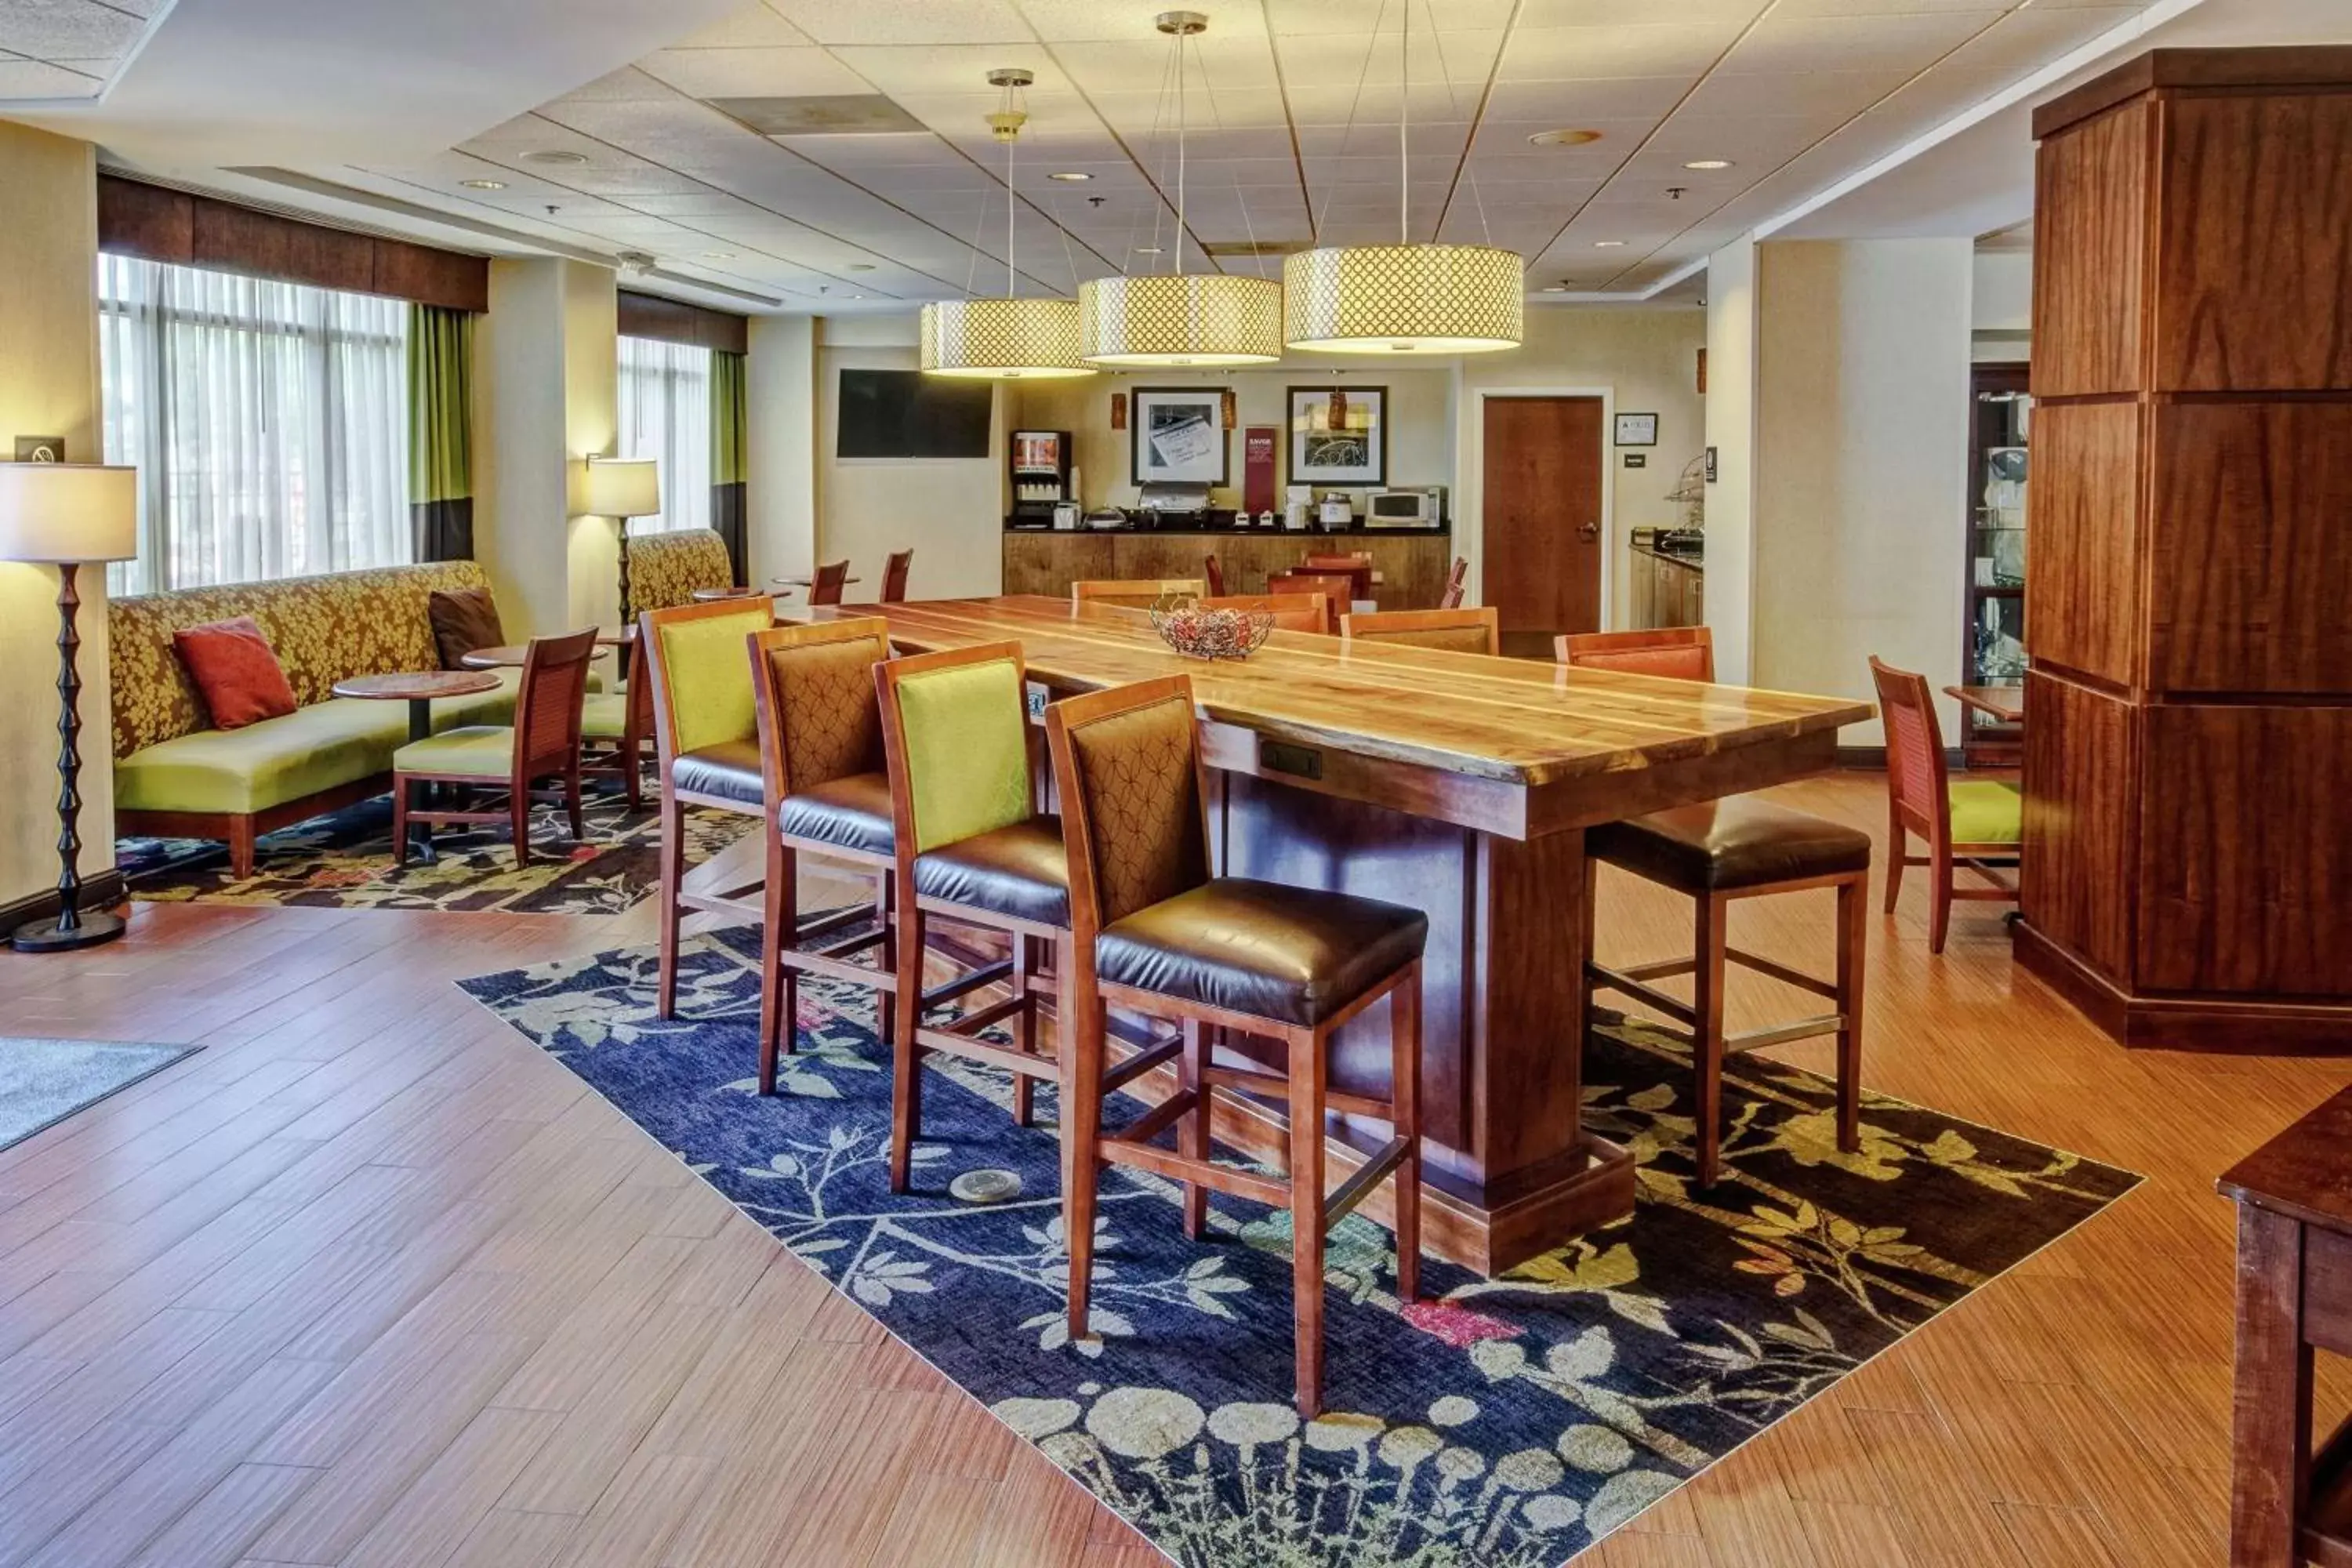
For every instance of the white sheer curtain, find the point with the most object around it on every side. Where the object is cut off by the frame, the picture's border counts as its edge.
(269, 422)
(665, 393)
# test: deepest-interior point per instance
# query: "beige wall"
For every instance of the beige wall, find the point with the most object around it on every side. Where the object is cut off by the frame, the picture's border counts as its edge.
(48, 386)
(1643, 361)
(948, 511)
(1731, 388)
(592, 426)
(1862, 457)
(780, 396)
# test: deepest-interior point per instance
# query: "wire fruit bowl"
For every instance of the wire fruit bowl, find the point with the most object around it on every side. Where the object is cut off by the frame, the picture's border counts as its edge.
(1210, 633)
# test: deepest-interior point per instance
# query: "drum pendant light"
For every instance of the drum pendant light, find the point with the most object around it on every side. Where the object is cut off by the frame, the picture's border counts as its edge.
(1009, 338)
(1176, 317)
(1404, 298)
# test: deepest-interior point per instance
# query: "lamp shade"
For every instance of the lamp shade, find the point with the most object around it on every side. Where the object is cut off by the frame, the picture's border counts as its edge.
(621, 487)
(68, 511)
(1002, 340)
(1405, 298)
(1172, 319)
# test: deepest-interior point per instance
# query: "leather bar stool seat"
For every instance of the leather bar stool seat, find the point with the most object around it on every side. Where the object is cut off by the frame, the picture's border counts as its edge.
(848, 812)
(1020, 871)
(1272, 951)
(729, 770)
(1724, 845)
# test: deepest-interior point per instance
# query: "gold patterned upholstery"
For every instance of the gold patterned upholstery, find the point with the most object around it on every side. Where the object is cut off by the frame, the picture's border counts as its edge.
(665, 569)
(324, 629)
(833, 725)
(1143, 804)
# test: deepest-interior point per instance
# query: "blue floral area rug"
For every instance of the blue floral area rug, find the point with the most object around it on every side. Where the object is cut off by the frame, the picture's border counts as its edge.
(1506, 1422)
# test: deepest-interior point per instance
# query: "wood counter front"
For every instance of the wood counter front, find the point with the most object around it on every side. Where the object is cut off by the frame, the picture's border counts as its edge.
(1412, 563)
(1461, 785)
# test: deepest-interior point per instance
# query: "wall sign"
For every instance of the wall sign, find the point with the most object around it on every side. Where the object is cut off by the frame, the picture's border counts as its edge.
(1637, 429)
(1637, 459)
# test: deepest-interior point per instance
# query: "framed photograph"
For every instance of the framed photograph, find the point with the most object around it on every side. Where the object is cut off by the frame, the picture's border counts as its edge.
(1637, 429)
(1338, 435)
(1178, 435)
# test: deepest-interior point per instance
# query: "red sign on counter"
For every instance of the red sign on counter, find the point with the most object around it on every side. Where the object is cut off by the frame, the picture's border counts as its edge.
(1259, 443)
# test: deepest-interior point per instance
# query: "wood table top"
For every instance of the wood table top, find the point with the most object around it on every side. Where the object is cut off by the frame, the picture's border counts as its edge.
(2004, 703)
(1513, 721)
(2304, 1171)
(416, 685)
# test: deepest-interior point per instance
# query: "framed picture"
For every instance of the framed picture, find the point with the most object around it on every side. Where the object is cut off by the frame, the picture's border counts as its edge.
(1338, 435)
(1178, 435)
(1637, 429)
(40, 448)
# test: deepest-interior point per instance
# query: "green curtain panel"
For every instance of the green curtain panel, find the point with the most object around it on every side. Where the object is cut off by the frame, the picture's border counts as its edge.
(727, 425)
(440, 432)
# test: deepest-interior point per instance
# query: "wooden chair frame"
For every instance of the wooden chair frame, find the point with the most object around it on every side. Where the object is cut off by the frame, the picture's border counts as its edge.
(782, 963)
(1932, 820)
(573, 651)
(1340, 587)
(1132, 593)
(623, 756)
(1371, 625)
(1088, 1078)
(1021, 972)
(1291, 612)
(1356, 565)
(723, 883)
(1702, 1017)
(895, 567)
(826, 583)
(1597, 650)
(1457, 584)
(1212, 574)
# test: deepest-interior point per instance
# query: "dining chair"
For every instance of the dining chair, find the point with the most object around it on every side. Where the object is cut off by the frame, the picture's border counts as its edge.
(1291, 612)
(970, 849)
(1718, 853)
(544, 743)
(1356, 565)
(826, 583)
(1977, 823)
(615, 729)
(1340, 587)
(1154, 932)
(895, 568)
(1213, 574)
(825, 792)
(706, 743)
(1133, 593)
(1456, 585)
(1450, 631)
(1683, 653)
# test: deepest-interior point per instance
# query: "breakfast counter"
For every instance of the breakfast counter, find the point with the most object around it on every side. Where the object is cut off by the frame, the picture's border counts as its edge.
(1412, 563)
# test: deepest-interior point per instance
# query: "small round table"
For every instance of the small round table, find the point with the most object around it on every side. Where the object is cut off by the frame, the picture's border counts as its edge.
(417, 689)
(712, 595)
(510, 655)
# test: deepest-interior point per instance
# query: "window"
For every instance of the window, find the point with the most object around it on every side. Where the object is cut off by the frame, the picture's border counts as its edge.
(269, 423)
(665, 394)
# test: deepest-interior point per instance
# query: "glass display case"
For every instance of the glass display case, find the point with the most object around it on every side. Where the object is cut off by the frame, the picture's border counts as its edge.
(2002, 424)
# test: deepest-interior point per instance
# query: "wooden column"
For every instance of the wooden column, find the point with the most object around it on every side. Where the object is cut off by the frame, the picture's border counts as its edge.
(2188, 872)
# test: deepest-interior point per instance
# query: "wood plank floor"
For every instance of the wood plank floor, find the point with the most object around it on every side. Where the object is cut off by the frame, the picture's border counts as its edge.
(370, 1282)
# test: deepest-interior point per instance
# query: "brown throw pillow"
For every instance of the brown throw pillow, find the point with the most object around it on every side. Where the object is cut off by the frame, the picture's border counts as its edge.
(463, 620)
(236, 670)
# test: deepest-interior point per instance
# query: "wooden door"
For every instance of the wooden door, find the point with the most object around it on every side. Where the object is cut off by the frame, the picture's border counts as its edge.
(1541, 462)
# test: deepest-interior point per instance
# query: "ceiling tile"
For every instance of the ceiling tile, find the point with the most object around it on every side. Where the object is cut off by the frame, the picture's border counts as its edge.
(754, 26)
(920, 23)
(1795, 45)
(1582, 54)
(754, 72)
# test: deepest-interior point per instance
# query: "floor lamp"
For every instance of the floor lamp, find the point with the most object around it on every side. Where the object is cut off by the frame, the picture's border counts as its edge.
(621, 488)
(63, 515)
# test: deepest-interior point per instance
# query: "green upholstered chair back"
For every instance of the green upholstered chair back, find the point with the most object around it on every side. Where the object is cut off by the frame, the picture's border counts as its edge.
(966, 750)
(665, 569)
(706, 680)
(324, 629)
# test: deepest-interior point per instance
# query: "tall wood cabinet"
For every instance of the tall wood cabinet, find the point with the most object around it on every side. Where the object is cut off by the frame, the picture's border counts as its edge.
(2188, 770)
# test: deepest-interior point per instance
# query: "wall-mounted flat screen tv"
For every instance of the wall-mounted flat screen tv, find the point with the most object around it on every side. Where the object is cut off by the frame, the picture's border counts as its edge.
(906, 414)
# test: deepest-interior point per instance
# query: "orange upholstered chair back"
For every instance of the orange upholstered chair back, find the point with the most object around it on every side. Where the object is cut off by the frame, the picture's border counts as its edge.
(1679, 653)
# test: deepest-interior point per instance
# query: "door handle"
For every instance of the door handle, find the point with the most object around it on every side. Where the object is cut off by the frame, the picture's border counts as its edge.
(1589, 530)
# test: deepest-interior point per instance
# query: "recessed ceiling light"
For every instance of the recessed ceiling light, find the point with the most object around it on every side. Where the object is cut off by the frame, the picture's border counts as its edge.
(553, 155)
(1607, 245)
(717, 255)
(1563, 138)
(859, 267)
(1147, 250)
(1709, 164)
(484, 184)
(1072, 175)
(1555, 288)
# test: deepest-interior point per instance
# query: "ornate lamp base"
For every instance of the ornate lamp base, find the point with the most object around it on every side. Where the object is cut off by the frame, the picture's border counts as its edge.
(48, 936)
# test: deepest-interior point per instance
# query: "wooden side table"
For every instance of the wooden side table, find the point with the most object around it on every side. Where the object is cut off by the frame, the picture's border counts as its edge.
(417, 689)
(2287, 1504)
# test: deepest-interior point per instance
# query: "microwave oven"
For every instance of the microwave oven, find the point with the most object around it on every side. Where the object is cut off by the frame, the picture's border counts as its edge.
(1423, 508)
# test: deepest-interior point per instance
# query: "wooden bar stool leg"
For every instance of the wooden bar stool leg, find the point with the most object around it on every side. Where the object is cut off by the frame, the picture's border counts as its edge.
(1024, 1027)
(1192, 1132)
(1404, 1117)
(906, 1056)
(1081, 1096)
(1854, 936)
(1707, 1034)
(1307, 1215)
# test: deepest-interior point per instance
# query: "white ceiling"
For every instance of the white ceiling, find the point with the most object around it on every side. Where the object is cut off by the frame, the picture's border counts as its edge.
(68, 49)
(381, 112)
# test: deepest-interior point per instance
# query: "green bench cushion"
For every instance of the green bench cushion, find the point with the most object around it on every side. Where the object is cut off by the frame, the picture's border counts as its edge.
(604, 716)
(477, 751)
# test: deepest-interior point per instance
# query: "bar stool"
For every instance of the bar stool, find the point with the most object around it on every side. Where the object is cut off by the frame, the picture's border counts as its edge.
(1718, 853)
(707, 737)
(1153, 931)
(968, 848)
(825, 794)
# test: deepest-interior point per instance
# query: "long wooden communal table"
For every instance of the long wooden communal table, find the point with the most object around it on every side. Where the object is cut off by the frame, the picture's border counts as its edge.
(1461, 785)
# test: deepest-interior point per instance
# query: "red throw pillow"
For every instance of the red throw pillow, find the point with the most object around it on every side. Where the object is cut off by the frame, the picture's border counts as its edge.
(238, 671)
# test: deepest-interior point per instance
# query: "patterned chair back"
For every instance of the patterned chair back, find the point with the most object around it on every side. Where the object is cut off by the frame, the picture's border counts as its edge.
(1133, 799)
(323, 629)
(814, 687)
(666, 569)
(547, 703)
